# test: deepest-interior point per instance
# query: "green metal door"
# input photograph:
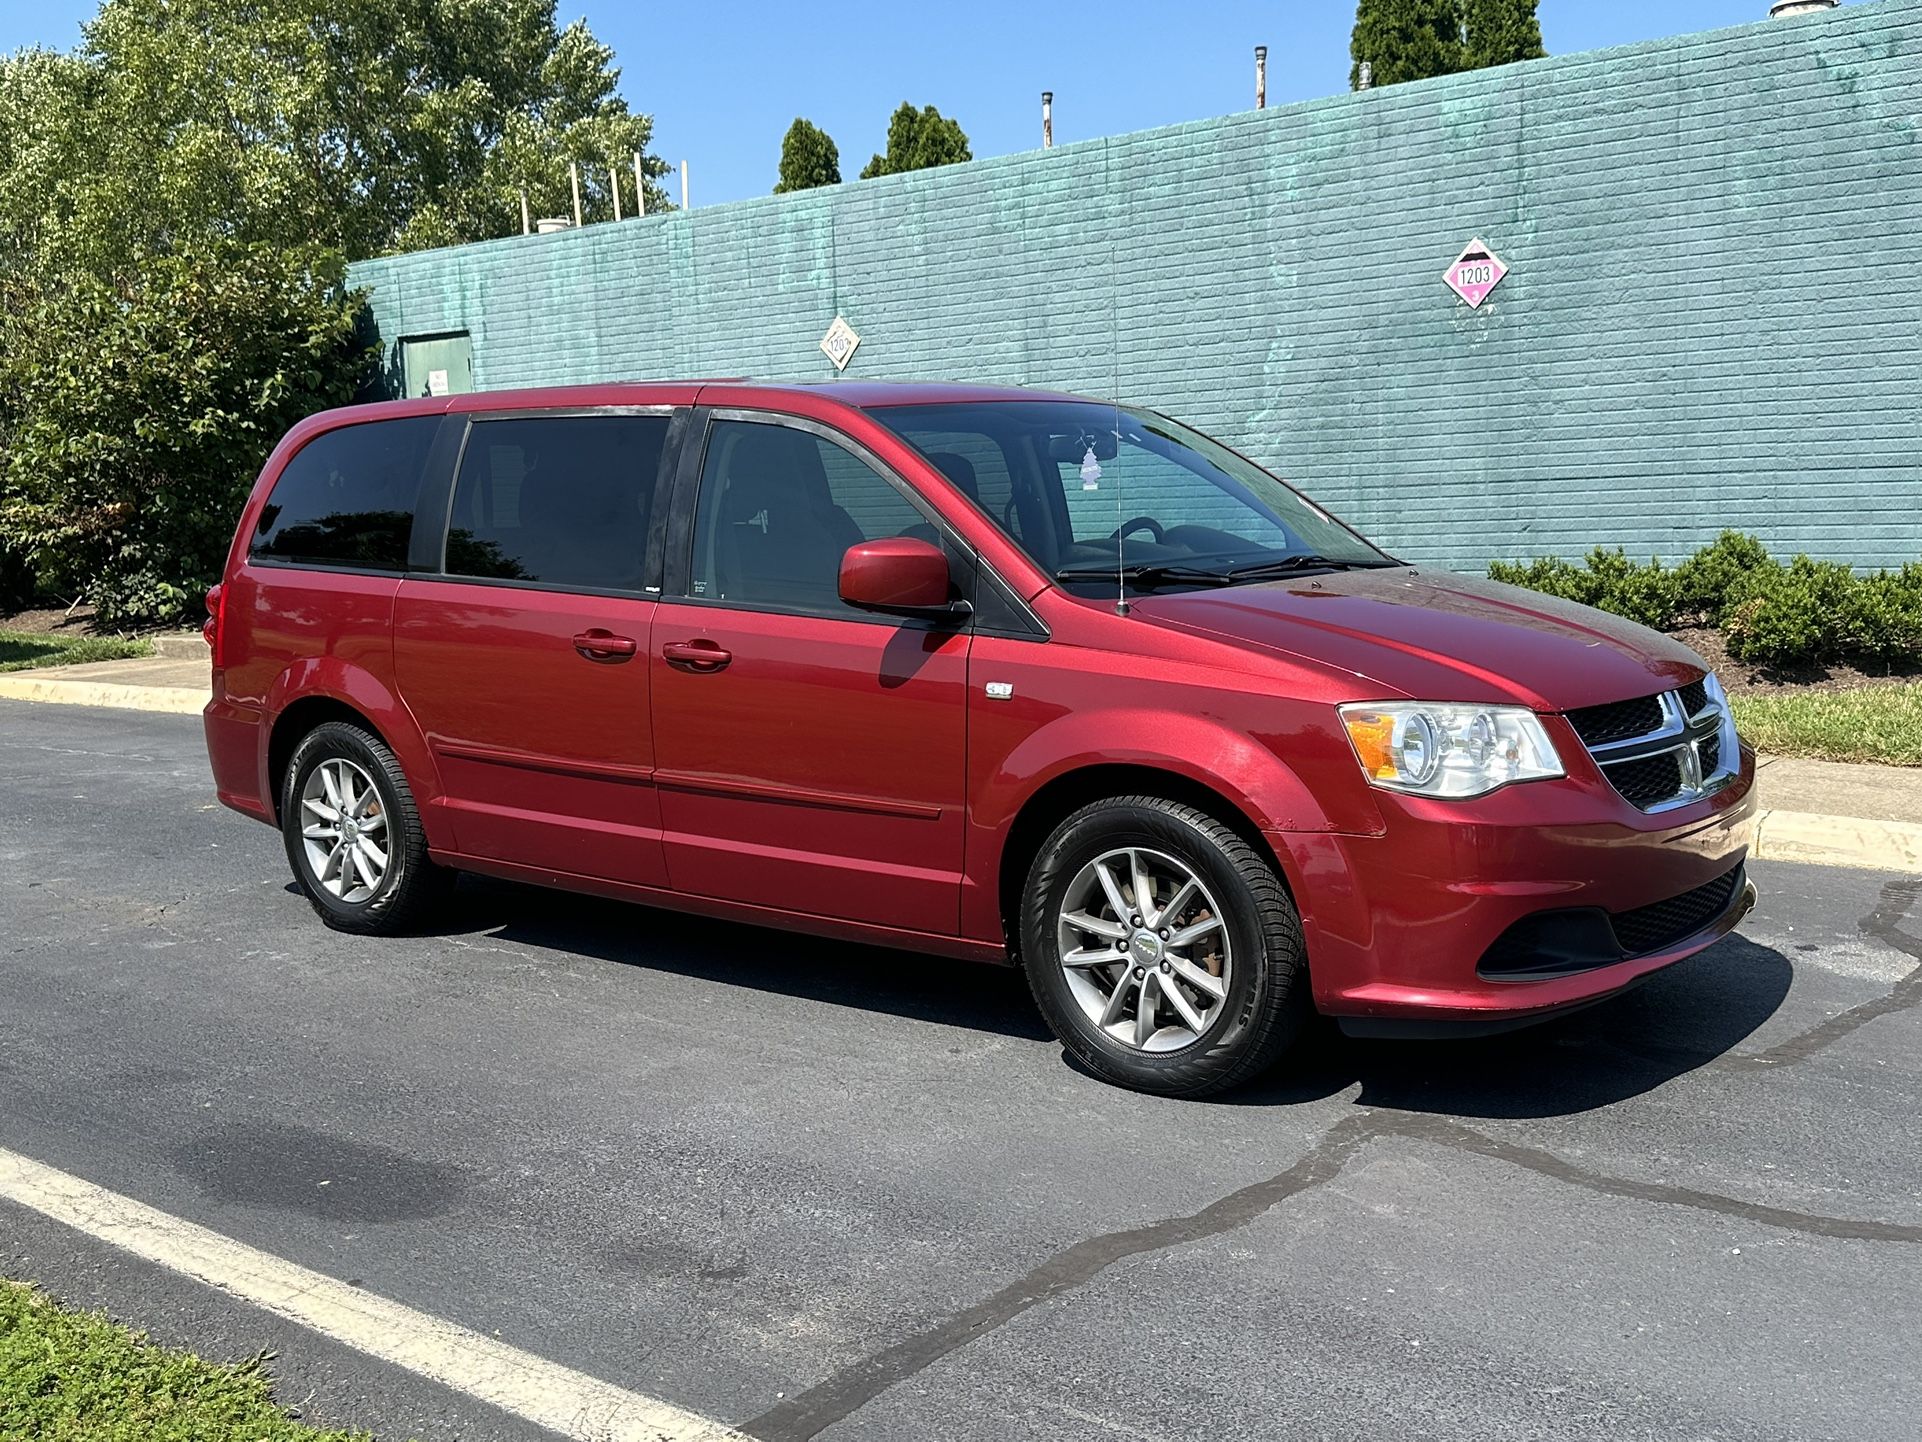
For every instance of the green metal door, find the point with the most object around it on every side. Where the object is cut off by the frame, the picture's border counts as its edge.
(437, 365)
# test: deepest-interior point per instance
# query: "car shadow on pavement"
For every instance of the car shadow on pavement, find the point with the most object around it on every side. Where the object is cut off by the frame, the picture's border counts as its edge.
(1678, 1021)
(897, 983)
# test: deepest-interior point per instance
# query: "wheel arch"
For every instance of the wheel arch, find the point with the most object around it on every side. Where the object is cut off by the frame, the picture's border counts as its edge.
(296, 721)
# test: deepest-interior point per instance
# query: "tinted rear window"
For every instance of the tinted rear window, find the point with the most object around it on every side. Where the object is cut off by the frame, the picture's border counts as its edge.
(556, 500)
(347, 497)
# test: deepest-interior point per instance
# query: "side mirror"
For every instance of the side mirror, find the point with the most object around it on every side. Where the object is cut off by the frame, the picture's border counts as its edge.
(901, 576)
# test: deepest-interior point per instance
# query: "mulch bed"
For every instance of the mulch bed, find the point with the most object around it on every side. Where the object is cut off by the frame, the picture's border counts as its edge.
(1742, 679)
(59, 622)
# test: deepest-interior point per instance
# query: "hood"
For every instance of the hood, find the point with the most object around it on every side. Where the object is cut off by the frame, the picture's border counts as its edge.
(1434, 636)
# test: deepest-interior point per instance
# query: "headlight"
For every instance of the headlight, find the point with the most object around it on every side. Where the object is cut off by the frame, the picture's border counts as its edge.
(1440, 749)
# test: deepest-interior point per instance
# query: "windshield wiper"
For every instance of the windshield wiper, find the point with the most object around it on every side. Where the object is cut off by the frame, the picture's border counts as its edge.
(1289, 565)
(1147, 573)
(1155, 573)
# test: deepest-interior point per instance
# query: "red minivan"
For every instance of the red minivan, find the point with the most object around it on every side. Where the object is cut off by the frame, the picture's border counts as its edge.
(984, 672)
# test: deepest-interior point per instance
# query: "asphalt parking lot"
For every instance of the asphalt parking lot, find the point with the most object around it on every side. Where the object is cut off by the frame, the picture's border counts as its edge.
(820, 1191)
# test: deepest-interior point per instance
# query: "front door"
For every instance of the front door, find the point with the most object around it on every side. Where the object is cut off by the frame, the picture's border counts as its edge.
(810, 757)
(525, 660)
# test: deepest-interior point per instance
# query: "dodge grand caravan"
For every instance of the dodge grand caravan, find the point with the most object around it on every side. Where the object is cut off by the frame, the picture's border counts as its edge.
(988, 673)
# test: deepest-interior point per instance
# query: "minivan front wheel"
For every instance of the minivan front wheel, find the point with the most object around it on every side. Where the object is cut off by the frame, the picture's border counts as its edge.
(353, 834)
(1162, 947)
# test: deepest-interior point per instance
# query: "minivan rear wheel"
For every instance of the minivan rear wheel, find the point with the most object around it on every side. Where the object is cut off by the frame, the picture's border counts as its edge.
(353, 833)
(1162, 947)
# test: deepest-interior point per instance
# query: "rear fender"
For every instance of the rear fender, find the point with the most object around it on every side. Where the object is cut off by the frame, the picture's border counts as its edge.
(355, 687)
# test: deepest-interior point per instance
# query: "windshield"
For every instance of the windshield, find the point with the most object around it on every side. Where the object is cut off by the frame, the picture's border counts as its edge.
(1085, 488)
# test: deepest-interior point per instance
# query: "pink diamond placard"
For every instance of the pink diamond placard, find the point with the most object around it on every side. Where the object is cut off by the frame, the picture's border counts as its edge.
(1475, 274)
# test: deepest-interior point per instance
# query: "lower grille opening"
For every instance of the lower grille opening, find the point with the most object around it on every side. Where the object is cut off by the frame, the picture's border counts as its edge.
(1652, 928)
(1576, 939)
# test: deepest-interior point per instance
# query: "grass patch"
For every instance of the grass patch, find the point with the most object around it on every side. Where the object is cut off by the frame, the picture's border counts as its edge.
(1875, 723)
(76, 1377)
(21, 650)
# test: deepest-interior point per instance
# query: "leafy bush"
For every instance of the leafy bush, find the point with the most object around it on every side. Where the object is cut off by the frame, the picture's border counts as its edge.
(1645, 594)
(1786, 615)
(1706, 578)
(1550, 575)
(1609, 581)
(1885, 615)
(1807, 612)
(16, 575)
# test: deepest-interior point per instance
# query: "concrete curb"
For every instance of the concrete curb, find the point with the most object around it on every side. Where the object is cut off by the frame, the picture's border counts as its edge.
(175, 700)
(1839, 841)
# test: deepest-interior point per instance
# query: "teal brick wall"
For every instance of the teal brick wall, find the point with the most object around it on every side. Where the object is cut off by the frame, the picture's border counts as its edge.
(1713, 318)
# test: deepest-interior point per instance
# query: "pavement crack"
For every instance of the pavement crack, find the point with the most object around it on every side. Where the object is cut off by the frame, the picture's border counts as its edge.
(1547, 1164)
(1899, 897)
(809, 1413)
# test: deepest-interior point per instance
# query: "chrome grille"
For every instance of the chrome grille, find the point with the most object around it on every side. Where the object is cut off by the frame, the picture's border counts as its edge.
(1599, 725)
(1649, 780)
(1663, 751)
(1711, 755)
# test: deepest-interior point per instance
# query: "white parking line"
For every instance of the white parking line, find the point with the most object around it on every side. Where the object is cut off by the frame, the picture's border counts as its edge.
(544, 1393)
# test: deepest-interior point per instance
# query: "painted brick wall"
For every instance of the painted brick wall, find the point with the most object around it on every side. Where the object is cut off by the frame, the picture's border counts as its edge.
(1714, 315)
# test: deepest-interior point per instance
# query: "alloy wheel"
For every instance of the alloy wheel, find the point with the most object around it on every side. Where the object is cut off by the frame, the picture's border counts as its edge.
(344, 829)
(1145, 949)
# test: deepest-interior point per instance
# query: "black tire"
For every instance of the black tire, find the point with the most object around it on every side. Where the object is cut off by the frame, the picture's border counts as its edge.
(1267, 1001)
(411, 887)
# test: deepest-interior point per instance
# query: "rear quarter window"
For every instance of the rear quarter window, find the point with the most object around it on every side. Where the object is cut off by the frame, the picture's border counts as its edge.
(347, 497)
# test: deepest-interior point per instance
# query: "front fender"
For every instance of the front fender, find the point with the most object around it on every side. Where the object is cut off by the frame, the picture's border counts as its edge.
(1246, 768)
(1200, 749)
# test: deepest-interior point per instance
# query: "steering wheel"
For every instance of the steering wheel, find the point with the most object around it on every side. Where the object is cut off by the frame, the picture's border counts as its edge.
(1139, 523)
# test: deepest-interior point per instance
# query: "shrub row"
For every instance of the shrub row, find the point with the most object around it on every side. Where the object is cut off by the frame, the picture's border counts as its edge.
(1803, 613)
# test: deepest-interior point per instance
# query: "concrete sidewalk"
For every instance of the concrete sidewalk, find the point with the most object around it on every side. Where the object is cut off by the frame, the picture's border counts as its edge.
(1825, 812)
(177, 678)
(1840, 813)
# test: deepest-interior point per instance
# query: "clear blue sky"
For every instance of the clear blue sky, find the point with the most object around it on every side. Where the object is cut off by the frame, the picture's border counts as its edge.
(723, 80)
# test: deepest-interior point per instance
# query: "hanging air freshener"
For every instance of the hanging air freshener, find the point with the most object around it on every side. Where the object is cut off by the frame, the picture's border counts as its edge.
(1090, 472)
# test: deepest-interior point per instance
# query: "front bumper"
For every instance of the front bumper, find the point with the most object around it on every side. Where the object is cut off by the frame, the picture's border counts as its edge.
(1400, 927)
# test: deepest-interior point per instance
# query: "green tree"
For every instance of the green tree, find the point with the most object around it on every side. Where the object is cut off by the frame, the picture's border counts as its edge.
(367, 125)
(178, 198)
(1499, 32)
(1405, 40)
(1415, 39)
(917, 140)
(809, 157)
(140, 407)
